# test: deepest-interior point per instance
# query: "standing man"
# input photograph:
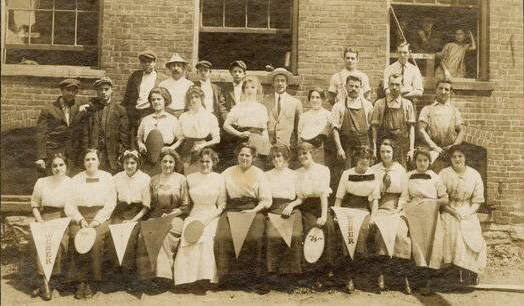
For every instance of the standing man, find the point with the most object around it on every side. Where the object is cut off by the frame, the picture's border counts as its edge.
(59, 128)
(214, 101)
(177, 84)
(394, 118)
(233, 91)
(284, 110)
(440, 125)
(336, 89)
(411, 83)
(138, 87)
(350, 120)
(108, 126)
(428, 40)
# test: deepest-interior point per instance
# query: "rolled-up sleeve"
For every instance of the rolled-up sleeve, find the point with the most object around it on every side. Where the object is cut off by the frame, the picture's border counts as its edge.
(109, 200)
(337, 113)
(72, 200)
(341, 190)
(36, 197)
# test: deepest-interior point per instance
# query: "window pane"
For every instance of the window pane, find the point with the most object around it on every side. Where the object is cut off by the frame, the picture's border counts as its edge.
(88, 5)
(469, 2)
(42, 28)
(87, 29)
(257, 11)
(65, 28)
(235, 13)
(281, 14)
(64, 4)
(212, 13)
(52, 57)
(45, 4)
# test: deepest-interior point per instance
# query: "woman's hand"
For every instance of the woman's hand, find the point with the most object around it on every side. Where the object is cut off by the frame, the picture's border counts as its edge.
(40, 220)
(322, 220)
(341, 154)
(165, 149)
(410, 154)
(287, 211)
(142, 147)
(94, 224)
(198, 147)
(40, 163)
(252, 210)
(127, 221)
(83, 223)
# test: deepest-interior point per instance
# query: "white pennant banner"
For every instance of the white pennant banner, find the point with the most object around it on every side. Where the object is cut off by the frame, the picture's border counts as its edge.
(121, 233)
(350, 220)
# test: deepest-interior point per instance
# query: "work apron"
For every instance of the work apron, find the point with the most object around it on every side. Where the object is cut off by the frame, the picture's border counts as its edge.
(394, 126)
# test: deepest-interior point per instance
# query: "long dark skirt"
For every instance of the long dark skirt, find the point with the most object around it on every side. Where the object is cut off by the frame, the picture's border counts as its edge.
(282, 259)
(50, 213)
(332, 256)
(251, 260)
(89, 266)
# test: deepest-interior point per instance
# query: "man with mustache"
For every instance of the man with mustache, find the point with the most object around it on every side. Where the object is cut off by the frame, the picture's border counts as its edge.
(177, 84)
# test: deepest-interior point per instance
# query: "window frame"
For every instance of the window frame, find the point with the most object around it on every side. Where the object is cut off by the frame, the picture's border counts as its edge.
(52, 46)
(293, 31)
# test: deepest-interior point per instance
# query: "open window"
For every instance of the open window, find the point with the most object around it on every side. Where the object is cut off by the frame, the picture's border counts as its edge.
(260, 32)
(434, 29)
(51, 32)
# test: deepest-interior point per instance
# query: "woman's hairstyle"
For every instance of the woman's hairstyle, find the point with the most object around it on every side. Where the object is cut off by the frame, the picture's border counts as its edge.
(161, 91)
(460, 147)
(252, 79)
(305, 147)
(362, 152)
(390, 143)
(349, 50)
(178, 161)
(320, 92)
(280, 148)
(422, 151)
(130, 154)
(194, 89)
(92, 150)
(445, 81)
(211, 153)
(60, 156)
(246, 145)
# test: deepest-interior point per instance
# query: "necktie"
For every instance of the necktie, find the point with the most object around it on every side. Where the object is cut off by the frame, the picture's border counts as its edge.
(402, 72)
(279, 106)
(386, 180)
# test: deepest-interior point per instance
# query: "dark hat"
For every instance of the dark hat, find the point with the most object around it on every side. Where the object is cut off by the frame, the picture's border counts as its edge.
(69, 83)
(176, 58)
(147, 54)
(238, 63)
(205, 64)
(102, 81)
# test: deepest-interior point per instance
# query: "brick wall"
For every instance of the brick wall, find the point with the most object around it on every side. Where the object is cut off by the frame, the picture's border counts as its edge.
(325, 29)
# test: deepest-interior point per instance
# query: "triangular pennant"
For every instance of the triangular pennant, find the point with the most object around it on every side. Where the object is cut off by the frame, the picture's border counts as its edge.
(239, 222)
(284, 226)
(349, 221)
(388, 225)
(121, 233)
(154, 232)
(422, 220)
(47, 237)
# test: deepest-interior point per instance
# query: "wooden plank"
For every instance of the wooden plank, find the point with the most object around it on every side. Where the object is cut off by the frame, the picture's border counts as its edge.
(13, 206)
(499, 287)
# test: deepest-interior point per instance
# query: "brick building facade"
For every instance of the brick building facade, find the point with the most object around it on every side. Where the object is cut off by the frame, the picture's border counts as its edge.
(318, 31)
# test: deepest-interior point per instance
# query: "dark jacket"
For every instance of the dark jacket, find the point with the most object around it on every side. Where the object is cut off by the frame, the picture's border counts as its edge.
(219, 108)
(55, 136)
(114, 136)
(132, 91)
(229, 96)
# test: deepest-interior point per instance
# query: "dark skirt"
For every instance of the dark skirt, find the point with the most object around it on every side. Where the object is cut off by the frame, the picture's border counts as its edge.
(282, 259)
(331, 257)
(251, 260)
(122, 212)
(89, 266)
(50, 213)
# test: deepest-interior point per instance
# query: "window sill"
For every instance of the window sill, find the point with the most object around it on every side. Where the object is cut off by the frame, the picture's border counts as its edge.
(52, 71)
(460, 84)
(223, 76)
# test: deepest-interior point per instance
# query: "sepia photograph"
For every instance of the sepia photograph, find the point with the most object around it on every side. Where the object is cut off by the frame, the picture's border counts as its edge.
(262, 152)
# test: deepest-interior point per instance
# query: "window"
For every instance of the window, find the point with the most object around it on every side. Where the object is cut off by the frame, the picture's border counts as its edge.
(260, 32)
(51, 32)
(435, 29)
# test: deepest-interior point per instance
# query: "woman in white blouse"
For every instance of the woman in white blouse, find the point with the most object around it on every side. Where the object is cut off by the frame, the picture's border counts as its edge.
(199, 129)
(391, 177)
(358, 188)
(281, 258)
(91, 205)
(133, 202)
(48, 201)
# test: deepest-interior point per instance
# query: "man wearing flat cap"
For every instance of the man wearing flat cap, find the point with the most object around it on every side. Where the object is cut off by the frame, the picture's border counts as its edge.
(177, 84)
(233, 91)
(59, 129)
(214, 101)
(284, 110)
(108, 126)
(137, 91)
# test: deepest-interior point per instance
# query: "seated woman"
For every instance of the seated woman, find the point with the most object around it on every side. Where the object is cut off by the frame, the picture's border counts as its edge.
(464, 245)
(91, 204)
(198, 127)
(313, 126)
(168, 199)
(422, 197)
(133, 202)
(160, 121)
(313, 191)
(358, 188)
(391, 177)
(247, 121)
(281, 258)
(207, 193)
(48, 202)
(248, 191)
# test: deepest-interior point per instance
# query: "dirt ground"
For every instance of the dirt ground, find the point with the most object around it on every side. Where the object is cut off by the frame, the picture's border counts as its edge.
(506, 266)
